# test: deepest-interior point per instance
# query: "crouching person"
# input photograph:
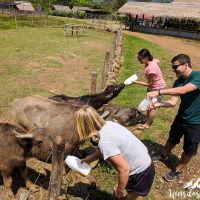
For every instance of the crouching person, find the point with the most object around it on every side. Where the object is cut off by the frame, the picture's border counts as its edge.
(121, 149)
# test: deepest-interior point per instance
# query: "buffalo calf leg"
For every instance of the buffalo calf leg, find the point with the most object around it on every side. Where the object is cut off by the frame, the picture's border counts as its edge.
(7, 179)
(29, 184)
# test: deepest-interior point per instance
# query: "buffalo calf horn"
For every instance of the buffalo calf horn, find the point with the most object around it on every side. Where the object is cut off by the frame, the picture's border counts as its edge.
(23, 136)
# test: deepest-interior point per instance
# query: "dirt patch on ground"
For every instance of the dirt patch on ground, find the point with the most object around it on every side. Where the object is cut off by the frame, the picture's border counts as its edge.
(67, 75)
(93, 45)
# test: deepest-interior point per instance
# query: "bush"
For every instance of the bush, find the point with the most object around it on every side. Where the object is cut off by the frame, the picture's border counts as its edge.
(79, 15)
(119, 18)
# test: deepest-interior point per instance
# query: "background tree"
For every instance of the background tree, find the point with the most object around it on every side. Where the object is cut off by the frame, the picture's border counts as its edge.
(3, 1)
(108, 5)
(119, 3)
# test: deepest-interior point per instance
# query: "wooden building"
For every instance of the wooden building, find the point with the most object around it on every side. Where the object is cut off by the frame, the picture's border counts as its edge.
(178, 18)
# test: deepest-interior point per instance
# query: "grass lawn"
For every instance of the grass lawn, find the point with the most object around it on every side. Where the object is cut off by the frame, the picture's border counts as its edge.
(37, 60)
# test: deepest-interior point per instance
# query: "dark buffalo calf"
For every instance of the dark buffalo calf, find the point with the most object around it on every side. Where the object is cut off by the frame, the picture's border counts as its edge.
(121, 115)
(15, 148)
(95, 100)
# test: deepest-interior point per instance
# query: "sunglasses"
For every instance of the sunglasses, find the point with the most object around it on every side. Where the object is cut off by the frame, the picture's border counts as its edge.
(176, 66)
(140, 58)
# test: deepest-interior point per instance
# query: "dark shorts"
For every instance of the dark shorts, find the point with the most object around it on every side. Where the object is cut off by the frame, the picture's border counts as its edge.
(191, 133)
(141, 183)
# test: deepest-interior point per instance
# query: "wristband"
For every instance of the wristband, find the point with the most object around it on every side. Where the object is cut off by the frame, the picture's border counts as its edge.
(161, 104)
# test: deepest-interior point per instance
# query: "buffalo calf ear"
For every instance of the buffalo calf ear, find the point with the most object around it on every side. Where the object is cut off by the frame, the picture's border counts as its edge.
(24, 141)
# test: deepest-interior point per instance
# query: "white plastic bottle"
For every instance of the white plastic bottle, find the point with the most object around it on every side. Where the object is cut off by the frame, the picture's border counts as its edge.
(75, 164)
(131, 79)
(144, 104)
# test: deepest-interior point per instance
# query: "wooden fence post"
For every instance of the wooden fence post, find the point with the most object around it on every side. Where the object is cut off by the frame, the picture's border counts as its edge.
(152, 21)
(93, 83)
(105, 69)
(114, 45)
(57, 168)
(32, 21)
(16, 21)
(45, 23)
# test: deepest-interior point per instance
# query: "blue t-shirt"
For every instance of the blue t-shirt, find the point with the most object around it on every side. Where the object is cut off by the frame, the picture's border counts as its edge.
(189, 110)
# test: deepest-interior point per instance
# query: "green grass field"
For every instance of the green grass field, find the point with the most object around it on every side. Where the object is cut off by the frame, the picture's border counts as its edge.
(36, 60)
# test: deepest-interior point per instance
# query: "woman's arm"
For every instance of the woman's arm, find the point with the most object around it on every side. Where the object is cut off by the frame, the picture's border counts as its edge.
(119, 163)
(141, 83)
(150, 78)
(96, 155)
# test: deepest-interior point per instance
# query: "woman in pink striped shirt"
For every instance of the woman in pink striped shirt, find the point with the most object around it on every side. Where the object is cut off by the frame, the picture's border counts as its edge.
(154, 80)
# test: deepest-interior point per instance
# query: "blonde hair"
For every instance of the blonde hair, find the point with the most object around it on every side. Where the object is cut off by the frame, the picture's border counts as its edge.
(88, 122)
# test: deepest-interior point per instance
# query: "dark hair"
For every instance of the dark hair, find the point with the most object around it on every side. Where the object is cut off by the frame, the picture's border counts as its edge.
(183, 59)
(145, 53)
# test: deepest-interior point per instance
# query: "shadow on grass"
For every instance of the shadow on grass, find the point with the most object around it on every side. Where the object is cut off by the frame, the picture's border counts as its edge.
(85, 192)
(155, 148)
(18, 181)
(139, 119)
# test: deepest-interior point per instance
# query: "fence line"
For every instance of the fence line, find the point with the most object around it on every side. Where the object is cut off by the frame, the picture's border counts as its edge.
(112, 61)
(164, 26)
(93, 83)
(57, 168)
(102, 24)
(32, 21)
(42, 21)
(21, 12)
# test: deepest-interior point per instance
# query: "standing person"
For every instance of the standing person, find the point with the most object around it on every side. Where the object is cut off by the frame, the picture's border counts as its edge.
(187, 120)
(154, 81)
(135, 168)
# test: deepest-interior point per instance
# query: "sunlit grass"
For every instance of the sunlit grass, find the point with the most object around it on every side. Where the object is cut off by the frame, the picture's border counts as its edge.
(29, 57)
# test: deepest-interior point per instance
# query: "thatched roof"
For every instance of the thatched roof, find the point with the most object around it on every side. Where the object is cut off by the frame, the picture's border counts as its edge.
(77, 8)
(73, 9)
(20, 5)
(68, 9)
(61, 8)
(24, 6)
(178, 8)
